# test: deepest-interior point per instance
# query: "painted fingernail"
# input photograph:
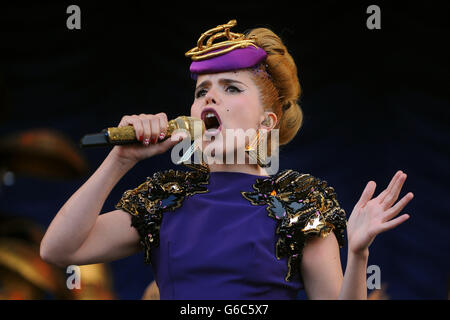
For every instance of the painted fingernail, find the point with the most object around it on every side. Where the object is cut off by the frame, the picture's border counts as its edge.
(162, 135)
(140, 138)
(154, 141)
(146, 142)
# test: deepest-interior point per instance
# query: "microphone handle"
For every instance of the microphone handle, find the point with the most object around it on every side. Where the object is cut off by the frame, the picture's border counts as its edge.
(126, 135)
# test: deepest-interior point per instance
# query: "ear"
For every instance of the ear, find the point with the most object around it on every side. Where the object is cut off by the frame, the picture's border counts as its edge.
(269, 120)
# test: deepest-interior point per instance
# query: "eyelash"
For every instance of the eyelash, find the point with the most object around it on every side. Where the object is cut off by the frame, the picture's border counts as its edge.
(236, 90)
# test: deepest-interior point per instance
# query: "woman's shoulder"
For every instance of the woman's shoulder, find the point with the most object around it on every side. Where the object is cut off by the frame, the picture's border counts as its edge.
(302, 205)
(164, 191)
(165, 184)
(292, 184)
(301, 198)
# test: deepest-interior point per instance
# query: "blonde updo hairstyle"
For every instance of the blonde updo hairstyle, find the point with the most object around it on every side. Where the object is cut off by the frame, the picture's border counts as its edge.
(280, 91)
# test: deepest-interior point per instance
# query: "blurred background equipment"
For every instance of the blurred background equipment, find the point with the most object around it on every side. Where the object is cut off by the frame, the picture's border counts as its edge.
(40, 153)
(96, 283)
(24, 275)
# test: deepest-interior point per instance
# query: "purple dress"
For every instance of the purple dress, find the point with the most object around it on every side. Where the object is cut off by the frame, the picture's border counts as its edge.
(214, 243)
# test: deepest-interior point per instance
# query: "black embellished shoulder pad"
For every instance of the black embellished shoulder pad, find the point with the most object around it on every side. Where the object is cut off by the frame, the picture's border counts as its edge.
(302, 205)
(164, 191)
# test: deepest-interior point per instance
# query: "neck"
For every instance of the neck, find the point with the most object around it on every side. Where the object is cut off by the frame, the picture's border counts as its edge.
(244, 168)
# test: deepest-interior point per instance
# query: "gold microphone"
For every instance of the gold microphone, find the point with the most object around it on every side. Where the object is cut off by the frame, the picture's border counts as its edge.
(126, 135)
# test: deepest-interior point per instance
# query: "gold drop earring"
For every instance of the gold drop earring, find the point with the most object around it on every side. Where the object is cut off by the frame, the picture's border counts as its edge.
(257, 148)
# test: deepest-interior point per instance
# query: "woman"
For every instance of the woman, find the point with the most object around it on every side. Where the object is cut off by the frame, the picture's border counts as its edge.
(228, 230)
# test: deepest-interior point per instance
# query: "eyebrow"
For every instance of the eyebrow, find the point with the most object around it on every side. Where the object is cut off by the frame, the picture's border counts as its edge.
(207, 83)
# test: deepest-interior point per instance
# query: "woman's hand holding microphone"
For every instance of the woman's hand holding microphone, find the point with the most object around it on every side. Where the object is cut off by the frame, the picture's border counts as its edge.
(150, 130)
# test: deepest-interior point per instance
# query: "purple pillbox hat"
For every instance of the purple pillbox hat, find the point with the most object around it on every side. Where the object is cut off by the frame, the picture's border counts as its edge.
(236, 59)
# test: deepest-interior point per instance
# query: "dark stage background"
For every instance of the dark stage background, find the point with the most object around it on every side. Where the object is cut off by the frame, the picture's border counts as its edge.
(374, 102)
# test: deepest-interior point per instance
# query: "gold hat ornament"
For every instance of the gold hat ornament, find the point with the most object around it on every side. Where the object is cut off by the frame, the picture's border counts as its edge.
(234, 41)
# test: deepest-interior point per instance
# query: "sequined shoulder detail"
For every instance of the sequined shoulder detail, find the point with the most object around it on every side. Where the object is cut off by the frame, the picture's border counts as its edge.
(302, 205)
(162, 192)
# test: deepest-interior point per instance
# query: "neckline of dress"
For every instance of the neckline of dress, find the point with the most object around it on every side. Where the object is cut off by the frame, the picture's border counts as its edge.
(236, 173)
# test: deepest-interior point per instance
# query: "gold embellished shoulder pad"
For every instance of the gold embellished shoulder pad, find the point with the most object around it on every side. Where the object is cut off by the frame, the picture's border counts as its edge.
(164, 191)
(302, 205)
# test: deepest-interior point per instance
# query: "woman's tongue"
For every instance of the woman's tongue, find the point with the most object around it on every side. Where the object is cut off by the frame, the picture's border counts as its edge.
(212, 124)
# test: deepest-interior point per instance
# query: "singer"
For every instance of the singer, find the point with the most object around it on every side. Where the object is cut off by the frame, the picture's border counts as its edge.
(228, 230)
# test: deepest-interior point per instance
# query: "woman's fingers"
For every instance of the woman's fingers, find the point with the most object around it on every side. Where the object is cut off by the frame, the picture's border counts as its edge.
(145, 122)
(395, 210)
(366, 194)
(135, 122)
(394, 179)
(155, 127)
(392, 223)
(149, 128)
(163, 124)
(392, 195)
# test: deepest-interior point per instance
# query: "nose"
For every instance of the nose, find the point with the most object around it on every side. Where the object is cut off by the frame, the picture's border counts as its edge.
(211, 98)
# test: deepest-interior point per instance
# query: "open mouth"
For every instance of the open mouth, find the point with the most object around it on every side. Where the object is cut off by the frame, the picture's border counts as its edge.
(212, 121)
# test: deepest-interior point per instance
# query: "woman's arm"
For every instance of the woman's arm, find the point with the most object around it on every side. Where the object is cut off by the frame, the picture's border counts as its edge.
(77, 234)
(321, 267)
(322, 271)
(354, 286)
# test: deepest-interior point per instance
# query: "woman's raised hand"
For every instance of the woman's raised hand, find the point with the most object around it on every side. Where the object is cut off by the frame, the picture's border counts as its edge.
(150, 129)
(371, 217)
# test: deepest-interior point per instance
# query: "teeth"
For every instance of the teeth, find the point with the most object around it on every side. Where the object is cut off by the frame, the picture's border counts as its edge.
(211, 120)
